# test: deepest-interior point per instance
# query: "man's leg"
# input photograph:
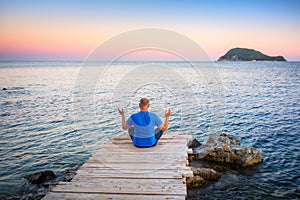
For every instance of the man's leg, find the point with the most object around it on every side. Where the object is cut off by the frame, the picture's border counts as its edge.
(131, 132)
(158, 133)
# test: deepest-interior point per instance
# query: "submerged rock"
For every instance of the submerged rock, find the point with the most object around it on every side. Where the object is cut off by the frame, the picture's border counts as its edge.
(40, 177)
(228, 150)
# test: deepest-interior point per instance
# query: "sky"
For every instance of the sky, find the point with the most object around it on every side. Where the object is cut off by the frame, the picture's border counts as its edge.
(71, 30)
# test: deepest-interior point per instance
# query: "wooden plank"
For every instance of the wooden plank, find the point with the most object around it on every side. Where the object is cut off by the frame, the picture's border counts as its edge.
(116, 138)
(187, 173)
(130, 171)
(117, 166)
(132, 176)
(141, 154)
(113, 163)
(129, 144)
(183, 173)
(127, 148)
(117, 161)
(165, 141)
(86, 196)
(125, 181)
(100, 159)
(162, 142)
(161, 139)
(129, 181)
(168, 152)
(140, 157)
(134, 161)
(157, 148)
(163, 174)
(79, 187)
(101, 179)
(164, 137)
(150, 154)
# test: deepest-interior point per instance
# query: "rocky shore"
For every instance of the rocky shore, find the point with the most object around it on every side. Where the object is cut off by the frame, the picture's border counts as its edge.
(219, 152)
(36, 185)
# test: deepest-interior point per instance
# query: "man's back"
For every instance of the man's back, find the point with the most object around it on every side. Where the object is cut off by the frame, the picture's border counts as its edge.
(144, 123)
(141, 125)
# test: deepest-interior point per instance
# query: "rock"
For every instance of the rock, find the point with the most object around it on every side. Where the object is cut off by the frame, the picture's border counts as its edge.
(227, 149)
(40, 177)
(70, 173)
(206, 173)
(194, 144)
(196, 181)
(43, 182)
(4, 88)
(201, 175)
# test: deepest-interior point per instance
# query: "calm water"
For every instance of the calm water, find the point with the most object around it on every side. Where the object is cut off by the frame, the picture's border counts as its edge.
(54, 115)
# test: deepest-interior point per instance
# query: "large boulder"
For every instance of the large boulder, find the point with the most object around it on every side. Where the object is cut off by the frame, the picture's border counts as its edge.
(227, 149)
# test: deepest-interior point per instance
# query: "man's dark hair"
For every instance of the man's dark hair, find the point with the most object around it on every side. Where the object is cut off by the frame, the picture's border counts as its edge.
(144, 102)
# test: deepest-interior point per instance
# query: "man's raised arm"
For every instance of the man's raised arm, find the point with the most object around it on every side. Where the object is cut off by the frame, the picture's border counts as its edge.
(124, 125)
(165, 125)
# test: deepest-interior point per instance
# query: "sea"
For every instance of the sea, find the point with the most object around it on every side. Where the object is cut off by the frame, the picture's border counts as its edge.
(55, 115)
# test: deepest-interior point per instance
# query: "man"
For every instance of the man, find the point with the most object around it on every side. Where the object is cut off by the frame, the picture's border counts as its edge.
(141, 125)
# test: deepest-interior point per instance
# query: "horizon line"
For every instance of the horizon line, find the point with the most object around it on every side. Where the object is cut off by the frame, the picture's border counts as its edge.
(78, 60)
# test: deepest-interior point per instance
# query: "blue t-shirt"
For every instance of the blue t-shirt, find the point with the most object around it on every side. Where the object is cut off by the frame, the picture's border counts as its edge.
(144, 123)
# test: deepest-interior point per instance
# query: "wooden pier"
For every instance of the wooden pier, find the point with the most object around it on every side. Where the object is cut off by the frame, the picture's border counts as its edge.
(121, 171)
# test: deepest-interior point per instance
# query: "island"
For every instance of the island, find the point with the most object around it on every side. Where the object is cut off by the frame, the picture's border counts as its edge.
(244, 54)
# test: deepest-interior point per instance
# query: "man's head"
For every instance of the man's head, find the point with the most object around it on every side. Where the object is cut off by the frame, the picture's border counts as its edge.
(144, 104)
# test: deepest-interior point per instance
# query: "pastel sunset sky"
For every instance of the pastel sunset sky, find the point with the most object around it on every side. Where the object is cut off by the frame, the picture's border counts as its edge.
(70, 30)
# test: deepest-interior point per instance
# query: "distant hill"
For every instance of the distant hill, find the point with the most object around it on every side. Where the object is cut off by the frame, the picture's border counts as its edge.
(243, 54)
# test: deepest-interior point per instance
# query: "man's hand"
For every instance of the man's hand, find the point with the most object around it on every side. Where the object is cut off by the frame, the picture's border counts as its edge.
(121, 111)
(124, 125)
(168, 113)
(164, 126)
